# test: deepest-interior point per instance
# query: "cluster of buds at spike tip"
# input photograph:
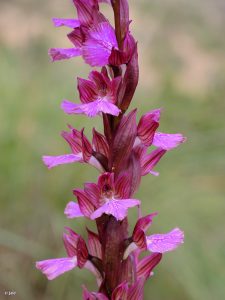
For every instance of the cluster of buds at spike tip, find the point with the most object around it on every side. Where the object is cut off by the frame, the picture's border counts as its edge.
(123, 153)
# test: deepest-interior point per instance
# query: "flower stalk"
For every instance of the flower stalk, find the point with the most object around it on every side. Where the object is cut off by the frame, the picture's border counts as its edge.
(120, 153)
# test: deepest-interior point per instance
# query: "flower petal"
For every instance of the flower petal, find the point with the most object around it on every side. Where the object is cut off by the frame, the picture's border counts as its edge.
(62, 53)
(147, 264)
(120, 292)
(87, 90)
(100, 143)
(165, 242)
(145, 222)
(136, 291)
(147, 126)
(85, 10)
(72, 23)
(52, 161)
(116, 208)
(71, 108)
(99, 44)
(168, 141)
(72, 210)
(52, 268)
(94, 245)
(149, 161)
(86, 204)
(70, 240)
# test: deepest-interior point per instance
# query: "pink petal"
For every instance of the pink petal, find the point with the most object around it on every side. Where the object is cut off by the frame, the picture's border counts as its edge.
(70, 240)
(168, 141)
(52, 161)
(94, 245)
(61, 53)
(71, 108)
(116, 208)
(86, 10)
(120, 292)
(72, 23)
(100, 143)
(147, 126)
(93, 191)
(82, 252)
(86, 204)
(122, 185)
(87, 90)
(94, 108)
(73, 138)
(99, 44)
(52, 268)
(147, 264)
(72, 210)
(136, 291)
(145, 222)
(165, 242)
(149, 161)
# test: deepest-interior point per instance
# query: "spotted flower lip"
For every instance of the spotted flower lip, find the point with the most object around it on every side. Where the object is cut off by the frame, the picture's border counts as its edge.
(97, 95)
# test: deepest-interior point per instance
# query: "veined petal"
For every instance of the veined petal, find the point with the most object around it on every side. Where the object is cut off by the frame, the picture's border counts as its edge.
(99, 44)
(116, 208)
(147, 264)
(92, 109)
(87, 90)
(165, 242)
(72, 210)
(52, 268)
(62, 53)
(147, 126)
(52, 161)
(86, 204)
(94, 245)
(120, 292)
(145, 222)
(149, 161)
(100, 143)
(73, 138)
(82, 252)
(72, 23)
(136, 291)
(85, 10)
(70, 240)
(168, 141)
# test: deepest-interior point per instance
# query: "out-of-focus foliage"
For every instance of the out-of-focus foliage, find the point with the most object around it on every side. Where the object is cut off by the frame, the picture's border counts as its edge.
(181, 48)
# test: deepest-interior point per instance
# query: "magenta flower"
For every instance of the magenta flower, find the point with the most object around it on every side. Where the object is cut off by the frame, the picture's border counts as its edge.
(106, 197)
(98, 94)
(123, 153)
(77, 256)
(81, 151)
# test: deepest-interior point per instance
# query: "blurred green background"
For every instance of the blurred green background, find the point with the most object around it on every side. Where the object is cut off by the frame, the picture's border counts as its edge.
(182, 69)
